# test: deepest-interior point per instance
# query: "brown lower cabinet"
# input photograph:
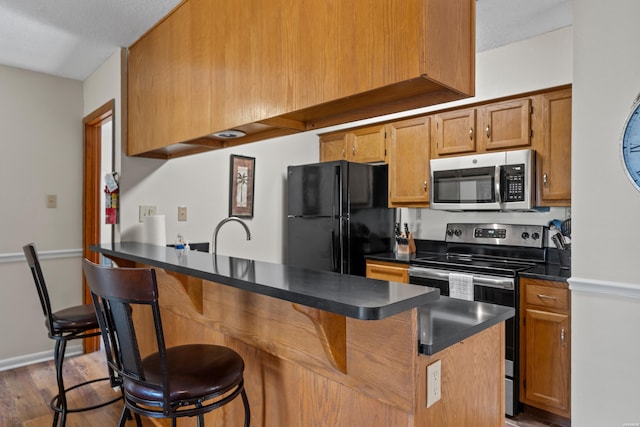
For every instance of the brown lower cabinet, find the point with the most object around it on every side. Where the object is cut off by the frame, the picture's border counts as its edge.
(545, 346)
(391, 271)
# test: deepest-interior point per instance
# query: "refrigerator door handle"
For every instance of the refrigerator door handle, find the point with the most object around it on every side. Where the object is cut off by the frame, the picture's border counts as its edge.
(334, 257)
(336, 196)
(336, 212)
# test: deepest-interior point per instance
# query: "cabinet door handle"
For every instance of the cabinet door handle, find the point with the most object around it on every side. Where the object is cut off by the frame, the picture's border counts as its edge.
(425, 185)
(544, 179)
(353, 150)
(488, 131)
(471, 133)
(543, 296)
(562, 336)
(344, 153)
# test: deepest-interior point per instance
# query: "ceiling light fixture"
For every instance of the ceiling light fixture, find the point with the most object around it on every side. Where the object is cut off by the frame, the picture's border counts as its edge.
(229, 134)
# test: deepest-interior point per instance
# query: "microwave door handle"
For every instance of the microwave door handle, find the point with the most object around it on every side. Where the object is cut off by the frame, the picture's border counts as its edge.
(498, 187)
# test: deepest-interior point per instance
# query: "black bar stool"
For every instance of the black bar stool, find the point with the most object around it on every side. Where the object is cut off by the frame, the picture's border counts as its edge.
(71, 323)
(181, 381)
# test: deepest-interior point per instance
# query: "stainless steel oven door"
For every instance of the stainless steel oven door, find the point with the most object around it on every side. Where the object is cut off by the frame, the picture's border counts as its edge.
(491, 289)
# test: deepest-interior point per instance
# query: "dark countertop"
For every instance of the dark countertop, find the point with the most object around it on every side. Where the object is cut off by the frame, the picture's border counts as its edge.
(351, 296)
(392, 257)
(547, 272)
(448, 321)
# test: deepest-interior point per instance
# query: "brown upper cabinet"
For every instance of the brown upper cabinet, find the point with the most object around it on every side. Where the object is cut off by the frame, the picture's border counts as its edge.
(496, 126)
(333, 146)
(552, 136)
(367, 145)
(271, 68)
(505, 125)
(360, 145)
(408, 146)
(454, 132)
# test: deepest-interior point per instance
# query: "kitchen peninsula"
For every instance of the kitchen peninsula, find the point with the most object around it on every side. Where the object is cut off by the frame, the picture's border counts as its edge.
(324, 349)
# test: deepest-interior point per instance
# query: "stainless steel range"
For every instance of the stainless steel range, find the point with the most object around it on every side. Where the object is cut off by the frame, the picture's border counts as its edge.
(481, 262)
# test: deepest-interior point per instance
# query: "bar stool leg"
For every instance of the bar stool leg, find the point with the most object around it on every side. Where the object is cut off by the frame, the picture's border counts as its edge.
(126, 415)
(247, 410)
(59, 403)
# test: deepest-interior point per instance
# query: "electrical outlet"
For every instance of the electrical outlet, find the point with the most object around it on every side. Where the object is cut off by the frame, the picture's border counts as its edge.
(182, 213)
(52, 201)
(434, 382)
(144, 210)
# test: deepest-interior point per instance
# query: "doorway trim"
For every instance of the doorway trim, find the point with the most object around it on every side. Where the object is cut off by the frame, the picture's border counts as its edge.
(91, 193)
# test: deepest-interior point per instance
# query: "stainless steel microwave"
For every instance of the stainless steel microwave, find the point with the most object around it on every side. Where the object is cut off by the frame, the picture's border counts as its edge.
(489, 181)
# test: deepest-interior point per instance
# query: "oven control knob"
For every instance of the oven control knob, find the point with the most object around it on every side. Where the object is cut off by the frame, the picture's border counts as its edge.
(535, 236)
(457, 232)
(525, 235)
(449, 232)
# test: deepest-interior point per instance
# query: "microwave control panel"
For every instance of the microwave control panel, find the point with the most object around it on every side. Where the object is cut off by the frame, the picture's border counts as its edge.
(513, 183)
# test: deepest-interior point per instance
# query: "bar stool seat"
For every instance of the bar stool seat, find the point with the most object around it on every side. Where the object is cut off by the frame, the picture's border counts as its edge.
(221, 367)
(72, 323)
(80, 317)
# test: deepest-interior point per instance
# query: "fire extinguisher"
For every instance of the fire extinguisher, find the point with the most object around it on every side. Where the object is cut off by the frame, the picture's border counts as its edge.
(111, 201)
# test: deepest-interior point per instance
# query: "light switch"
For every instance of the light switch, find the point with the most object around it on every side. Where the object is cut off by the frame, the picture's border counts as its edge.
(182, 213)
(145, 211)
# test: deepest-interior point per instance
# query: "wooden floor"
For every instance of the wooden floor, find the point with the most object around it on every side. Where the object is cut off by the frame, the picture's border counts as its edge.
(25, 394)
(526, 420)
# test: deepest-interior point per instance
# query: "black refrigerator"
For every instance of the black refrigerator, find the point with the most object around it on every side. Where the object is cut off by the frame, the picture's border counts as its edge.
(337, 213)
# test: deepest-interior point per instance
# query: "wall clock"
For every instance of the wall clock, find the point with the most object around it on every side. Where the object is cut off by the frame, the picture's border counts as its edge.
(631, 145)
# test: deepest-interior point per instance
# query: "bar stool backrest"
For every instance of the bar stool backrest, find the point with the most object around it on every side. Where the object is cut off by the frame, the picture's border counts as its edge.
(116, 292)
(31, 254)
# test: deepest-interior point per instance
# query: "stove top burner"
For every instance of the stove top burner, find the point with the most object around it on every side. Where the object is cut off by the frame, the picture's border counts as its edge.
(473, 262)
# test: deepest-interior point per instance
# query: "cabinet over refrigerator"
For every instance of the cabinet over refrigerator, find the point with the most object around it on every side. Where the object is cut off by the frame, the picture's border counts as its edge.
(337, 213)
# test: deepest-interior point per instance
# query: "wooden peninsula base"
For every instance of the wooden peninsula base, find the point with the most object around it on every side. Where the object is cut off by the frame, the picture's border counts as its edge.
(306, 367)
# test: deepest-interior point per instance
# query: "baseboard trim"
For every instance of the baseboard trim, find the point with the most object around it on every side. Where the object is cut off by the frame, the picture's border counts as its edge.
(33, 358)
(618, 289)
(61, 253)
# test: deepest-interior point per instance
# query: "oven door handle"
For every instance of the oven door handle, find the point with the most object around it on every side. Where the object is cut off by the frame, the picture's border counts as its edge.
(482, 280)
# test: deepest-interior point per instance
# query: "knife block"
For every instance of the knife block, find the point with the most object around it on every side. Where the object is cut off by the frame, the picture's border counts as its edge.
(409, 247)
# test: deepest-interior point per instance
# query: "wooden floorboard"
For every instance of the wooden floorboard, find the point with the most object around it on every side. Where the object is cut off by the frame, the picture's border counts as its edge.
(25, 394)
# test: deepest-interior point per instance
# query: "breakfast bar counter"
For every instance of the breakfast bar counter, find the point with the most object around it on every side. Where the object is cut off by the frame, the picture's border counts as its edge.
(320, 348)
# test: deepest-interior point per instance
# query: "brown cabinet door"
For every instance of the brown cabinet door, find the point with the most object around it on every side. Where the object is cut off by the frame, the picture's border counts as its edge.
(545, 345)
(455, 132)
(333, 147)
(169, 84)
(505, 125)
(547, 380)
(149, 96)
(409, 142)
(387, 271)
(190, 77)
(554, 149)
(367, 145)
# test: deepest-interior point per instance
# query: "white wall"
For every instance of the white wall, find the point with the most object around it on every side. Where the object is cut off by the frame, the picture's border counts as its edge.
(606, 276)
(201, 183)
(41, 122)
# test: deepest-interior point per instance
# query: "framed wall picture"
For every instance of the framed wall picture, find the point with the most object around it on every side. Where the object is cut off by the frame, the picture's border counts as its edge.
(241, 184)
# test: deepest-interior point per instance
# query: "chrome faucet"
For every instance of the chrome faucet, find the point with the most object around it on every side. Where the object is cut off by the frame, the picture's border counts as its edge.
(223, 222)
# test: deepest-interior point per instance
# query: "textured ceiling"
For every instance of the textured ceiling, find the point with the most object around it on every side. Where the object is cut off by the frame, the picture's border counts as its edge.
(72, 38)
